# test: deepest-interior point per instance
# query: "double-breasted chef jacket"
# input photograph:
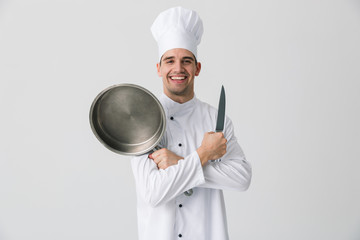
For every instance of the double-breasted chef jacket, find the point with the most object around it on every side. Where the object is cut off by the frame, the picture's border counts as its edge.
(164, 211)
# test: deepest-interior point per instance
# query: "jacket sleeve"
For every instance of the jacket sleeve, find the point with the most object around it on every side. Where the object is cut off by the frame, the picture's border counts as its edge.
(158, 186)
(232, 171)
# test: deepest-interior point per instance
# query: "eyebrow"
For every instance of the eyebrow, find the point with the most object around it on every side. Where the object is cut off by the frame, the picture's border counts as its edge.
(168, 58)
(189, 58)
(172, 57)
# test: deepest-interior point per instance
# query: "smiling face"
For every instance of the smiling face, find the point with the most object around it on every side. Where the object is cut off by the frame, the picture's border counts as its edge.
(178, 69)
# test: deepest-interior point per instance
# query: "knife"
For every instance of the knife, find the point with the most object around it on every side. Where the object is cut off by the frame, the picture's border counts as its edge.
(221, 112)
(221, 116)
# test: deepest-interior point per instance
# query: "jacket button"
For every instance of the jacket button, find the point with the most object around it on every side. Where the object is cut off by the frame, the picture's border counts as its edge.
(171, 118)
(180, 205)
(180, 144)
(180, 235)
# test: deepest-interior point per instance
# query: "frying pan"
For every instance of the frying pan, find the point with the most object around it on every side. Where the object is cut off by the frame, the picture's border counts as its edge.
(127, 119)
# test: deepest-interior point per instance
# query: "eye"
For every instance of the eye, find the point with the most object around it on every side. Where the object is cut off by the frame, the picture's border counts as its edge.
(187, 61)
(169, 61)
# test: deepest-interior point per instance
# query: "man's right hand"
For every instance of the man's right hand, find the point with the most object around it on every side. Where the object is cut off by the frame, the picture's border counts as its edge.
(213, 146)
(164, 158)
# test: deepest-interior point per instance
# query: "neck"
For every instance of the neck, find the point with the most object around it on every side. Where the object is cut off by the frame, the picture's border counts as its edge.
(180, 99)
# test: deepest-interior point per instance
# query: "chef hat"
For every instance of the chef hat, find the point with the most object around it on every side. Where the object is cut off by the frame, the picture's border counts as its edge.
(177, 28)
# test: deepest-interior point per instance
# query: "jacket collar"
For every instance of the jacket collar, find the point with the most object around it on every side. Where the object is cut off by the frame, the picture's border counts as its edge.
(171, 107)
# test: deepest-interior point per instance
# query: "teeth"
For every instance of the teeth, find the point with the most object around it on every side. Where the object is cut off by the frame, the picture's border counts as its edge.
(178, 78)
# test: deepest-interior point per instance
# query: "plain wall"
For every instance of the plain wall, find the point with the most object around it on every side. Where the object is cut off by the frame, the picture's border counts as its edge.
(291, 71)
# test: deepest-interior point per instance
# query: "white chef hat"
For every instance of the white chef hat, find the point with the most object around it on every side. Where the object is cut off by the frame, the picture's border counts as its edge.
(177, 28)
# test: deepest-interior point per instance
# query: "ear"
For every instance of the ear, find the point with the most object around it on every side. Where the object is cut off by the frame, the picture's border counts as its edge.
(198, 69)
(158, 69)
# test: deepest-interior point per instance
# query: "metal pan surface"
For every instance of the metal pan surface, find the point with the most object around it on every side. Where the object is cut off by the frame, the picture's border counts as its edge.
(127, 119)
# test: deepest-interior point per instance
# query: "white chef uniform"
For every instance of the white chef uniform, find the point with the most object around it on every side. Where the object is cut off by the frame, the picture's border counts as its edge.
(164, 211)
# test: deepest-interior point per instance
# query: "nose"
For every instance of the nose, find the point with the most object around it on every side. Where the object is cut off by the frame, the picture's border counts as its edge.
(178, 67)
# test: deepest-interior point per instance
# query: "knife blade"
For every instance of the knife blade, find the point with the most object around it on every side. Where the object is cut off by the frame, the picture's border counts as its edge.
(221, 112)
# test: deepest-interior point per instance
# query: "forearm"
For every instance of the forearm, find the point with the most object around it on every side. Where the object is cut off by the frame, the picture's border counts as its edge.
(232, 172)
(158, 186)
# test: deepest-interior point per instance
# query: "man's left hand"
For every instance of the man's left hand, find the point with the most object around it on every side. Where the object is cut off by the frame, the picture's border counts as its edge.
(164, 158)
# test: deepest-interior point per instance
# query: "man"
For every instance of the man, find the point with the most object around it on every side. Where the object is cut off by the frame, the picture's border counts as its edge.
(179, 190)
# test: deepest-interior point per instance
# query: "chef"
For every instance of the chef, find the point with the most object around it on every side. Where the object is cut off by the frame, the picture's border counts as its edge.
(180, 187)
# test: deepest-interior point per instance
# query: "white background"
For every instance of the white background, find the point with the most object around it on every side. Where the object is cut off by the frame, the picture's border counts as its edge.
(291, 71)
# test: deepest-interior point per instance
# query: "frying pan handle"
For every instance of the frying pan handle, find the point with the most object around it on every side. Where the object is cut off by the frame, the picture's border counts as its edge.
(158, 147)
